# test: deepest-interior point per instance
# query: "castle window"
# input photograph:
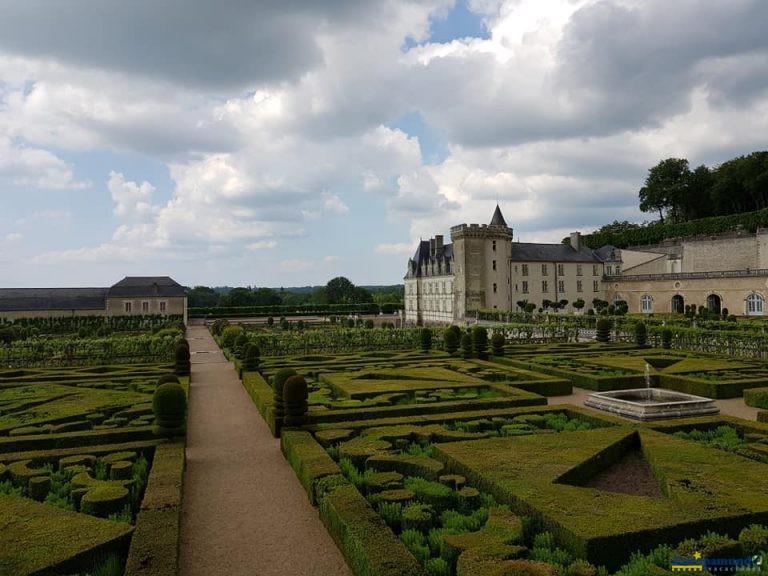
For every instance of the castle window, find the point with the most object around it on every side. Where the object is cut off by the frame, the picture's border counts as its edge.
(544, 286)
(544, 270)
(594, 270)
(595, 286)
(494, 245)
(128, 307)
(561, 286)
(494, 264)
(525, 286)
(145, 307)
(579, 287)
(755, 305)
(494, 287)
(578, 270)
(646, 304)
(609, 270)
(617, 271)
(163, 306)
(560, 269)
(525, 269)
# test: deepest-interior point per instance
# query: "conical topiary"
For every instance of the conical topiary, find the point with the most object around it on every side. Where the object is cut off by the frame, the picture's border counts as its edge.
(603, 330)
(278, 381)
(182, 365)
(295, 396)
(251, 358)
(466, 346)
(239, 347)
(169, 405)
(451, 341)
(666, 338)
(497, 343)
(641, 334)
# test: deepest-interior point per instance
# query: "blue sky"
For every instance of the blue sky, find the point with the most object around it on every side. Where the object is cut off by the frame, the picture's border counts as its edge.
(272, 145)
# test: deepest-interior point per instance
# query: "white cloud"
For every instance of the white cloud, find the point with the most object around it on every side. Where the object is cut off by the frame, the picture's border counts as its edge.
(31, 167)
(131, 200)
(333, 204)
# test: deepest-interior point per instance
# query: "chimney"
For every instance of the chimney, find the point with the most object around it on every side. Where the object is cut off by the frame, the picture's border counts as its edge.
(439, 242)
(431, 247)
(576, 241)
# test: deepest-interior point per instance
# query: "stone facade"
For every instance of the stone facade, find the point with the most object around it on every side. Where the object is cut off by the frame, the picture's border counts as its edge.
(134, 295)
(729, 271)
(484, 268)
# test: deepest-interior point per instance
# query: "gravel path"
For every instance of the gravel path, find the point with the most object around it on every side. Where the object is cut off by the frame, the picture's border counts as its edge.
(244, 511)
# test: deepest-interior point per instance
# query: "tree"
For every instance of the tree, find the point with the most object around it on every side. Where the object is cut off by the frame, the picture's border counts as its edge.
(666, 187)
(451, 341)
(202, 297)
(480, 341)
(579, 304)
(340, 290)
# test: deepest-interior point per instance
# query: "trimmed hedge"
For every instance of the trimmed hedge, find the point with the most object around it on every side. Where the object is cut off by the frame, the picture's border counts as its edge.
(708, 388)
(155, 545)
(762, 416)
(308, 459)
(707, 489)
(75, 439)
(756, 397)
(368, 545)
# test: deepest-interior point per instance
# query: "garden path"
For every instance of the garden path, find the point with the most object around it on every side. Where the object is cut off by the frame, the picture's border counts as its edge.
(244, 511)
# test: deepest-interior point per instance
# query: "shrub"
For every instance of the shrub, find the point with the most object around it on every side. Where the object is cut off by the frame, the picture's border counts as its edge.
(240, 343)
(754, 539)
(416, 543)
(251, 358)
(497, 343)
(391, 513)
(641, 334)
(181, 360)
(480, 341)
(278, 381)
(417, 517)
(437, 567)
(466, 346)
(229, 334)
(167, 378)
(295, 395)
(425, 339)
(724, 313)
(666, 338)
(603, 332)
(169, 405)
(756, 397)
(369, 324)
(451, 341)
(270, 321)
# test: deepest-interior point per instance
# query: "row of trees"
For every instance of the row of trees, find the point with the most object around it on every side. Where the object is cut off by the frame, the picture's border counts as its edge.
(339, 290)
(679, 193)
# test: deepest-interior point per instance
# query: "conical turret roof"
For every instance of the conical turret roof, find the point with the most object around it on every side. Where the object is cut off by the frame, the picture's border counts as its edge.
(498, 218)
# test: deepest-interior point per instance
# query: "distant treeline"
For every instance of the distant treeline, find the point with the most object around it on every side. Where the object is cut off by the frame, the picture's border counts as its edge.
(702, 201)
(294, 310)
(338, 291)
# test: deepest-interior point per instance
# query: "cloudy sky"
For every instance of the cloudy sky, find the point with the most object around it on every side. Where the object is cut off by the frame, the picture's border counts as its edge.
(284, 142)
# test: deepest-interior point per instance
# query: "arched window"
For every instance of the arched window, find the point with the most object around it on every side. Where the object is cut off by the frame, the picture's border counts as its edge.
(755, 305)
(646, 303)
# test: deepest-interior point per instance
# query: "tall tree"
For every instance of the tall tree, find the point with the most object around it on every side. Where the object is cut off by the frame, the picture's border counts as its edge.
(666, 187)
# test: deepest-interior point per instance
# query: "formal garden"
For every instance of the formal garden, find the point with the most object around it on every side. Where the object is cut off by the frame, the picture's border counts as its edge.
(441, 455)
(91, 449)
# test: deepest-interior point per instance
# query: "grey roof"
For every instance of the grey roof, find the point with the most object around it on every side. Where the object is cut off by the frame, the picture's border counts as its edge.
(608, 253)
(422, 256)
(498, 218)
(530, 252)
(23, 299)
(146, 287)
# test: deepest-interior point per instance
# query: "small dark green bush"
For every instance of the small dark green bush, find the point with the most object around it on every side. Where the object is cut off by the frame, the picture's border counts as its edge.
(425, 339)
(451, 341)
(466, 346)
(480, 341)
(666, 338)
(239, 347)
(497, 343)
(168, 378)
(603, 330)
(641, 334)
(169, 404)
(251, 359)
(181, 360)
(295, 395)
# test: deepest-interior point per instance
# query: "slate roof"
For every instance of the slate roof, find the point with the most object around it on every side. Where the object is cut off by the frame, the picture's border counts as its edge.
(608, 253)
(422, 256)
(530, 252)
(498, 218)
(147, 287)
(21, 299)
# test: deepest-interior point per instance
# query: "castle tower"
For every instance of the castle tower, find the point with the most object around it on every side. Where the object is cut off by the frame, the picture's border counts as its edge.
(482, 256)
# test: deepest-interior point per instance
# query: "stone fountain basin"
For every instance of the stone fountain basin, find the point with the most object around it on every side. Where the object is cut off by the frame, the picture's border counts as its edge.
(651, 404)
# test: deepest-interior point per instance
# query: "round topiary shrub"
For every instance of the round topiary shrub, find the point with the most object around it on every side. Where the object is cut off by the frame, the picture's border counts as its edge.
(181, 360)
(169, 405)
(480, 341)
(295, 396)
(666, 338)
(641, 334)
(603, 330)
(497, 343)
(425, 339)
(251, 358)
(168, 378)
(104, 499)
(239, 347)
(451, 341)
